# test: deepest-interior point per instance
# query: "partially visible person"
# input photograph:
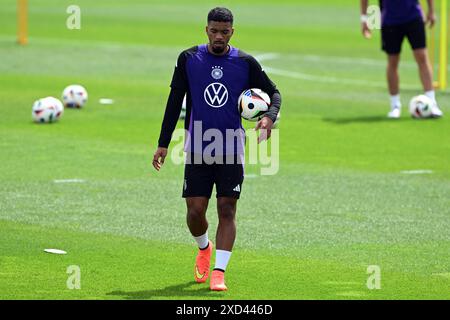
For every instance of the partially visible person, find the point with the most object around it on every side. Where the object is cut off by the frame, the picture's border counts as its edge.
(404, 19)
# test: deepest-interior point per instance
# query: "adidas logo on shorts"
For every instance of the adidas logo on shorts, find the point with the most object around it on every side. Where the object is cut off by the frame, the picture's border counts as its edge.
(237, 188)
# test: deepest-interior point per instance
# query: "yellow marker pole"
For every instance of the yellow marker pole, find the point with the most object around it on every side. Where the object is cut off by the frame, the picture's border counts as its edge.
(432, 51)
(443, 47)
(22, 21)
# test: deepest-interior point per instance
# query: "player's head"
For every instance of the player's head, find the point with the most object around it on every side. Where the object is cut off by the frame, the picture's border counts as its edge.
(219, 29)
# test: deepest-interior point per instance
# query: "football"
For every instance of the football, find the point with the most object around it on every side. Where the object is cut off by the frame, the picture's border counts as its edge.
(74, 96)
(420, 107)
(47, 110)
(253, 103)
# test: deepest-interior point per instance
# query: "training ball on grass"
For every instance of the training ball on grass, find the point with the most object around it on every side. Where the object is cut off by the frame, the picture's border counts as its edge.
(47, 110)
(74, 96)
(253, 104)
(420, 107)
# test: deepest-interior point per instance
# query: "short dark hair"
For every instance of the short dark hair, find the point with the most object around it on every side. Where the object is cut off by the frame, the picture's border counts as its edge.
(220, 14)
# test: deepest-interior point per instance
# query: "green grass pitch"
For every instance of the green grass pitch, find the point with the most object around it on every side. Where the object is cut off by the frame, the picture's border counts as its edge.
(342, 200)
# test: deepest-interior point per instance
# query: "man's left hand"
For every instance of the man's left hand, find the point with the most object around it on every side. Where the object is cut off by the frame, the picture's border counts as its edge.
(431, 19)
(266, 125)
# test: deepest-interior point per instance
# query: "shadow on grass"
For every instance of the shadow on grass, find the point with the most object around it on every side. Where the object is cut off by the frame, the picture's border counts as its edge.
(369, 119)
(180, 290)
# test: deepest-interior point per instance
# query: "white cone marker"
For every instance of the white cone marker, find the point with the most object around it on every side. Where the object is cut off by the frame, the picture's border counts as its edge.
(55, 251)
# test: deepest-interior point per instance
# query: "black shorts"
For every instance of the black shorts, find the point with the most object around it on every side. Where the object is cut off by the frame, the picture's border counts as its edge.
(199, 178)
(392, 36)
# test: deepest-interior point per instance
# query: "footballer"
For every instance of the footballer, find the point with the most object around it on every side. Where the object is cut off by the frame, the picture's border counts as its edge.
(213, 76)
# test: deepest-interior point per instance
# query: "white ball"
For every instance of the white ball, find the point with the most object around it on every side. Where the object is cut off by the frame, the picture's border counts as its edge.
(74, 96)
(253, 103)
(420, 106)
(47, 110)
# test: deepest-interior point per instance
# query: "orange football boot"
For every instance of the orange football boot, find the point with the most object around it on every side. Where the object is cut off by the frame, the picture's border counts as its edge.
(217, 281)
(202, 262)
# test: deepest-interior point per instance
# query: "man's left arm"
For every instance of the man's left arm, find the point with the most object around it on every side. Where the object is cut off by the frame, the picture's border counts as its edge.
(431, 17)
(260, 80)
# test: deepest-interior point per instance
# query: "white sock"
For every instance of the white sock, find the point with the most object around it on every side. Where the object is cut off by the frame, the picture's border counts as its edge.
(395, 101)
(222, 258)
(430, 94)
(202, 240)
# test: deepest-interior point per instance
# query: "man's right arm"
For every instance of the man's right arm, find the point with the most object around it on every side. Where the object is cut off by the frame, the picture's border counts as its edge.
(179, 87)
(431, 17)
(171, 115)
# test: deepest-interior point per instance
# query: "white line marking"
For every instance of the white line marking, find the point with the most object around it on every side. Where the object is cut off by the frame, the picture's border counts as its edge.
(339, 59)
(329, 59)
(351, 60)
(120, 45)
(417, 171)
(444, 274)
(310, 77)
(106, 101)
(343, 60)
(69, 181)
(324, 79)
(266, 56)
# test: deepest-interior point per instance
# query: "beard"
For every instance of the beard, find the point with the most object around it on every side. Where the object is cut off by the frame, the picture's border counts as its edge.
(218, 48)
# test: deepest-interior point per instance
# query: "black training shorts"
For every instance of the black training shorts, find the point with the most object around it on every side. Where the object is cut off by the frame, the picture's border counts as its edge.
(200, 177)
(392, 36)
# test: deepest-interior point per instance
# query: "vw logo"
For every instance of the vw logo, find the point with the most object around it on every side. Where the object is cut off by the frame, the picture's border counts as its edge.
(216, 95)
